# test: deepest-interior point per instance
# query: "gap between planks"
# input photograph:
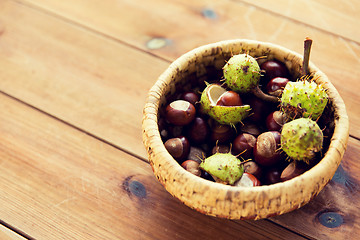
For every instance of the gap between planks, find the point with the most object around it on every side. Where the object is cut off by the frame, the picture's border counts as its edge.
(16, 232)
(75, 127)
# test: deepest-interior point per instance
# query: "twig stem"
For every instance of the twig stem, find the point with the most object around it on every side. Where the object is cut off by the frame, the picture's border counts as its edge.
(307, 48)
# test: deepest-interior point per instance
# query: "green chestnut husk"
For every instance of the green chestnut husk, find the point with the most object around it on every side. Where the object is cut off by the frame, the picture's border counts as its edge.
(227, 115)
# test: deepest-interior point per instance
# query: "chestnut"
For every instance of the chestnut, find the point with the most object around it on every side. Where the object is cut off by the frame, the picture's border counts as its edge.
(275, 121)
(191, 97)
(276, 86)
(247, 180)
(196, 154)
(244, 144)
(272, 176)
(220, 149)
(229, 98)
(163, 129)
(266, 151)
(198, 131)
(294, 169)
(175, 131)
(178, 147)
(273, 69)
(253, 168)
(180, 112)
(251, 128)
(207, 176)
(192, 167)
(221, 133)
(259, 111)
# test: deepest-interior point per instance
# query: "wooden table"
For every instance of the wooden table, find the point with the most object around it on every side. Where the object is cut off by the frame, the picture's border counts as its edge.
(74, 76)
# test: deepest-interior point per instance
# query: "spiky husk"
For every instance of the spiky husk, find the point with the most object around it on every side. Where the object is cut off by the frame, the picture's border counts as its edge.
(224, 166)
(242, 73)
(303, 98)
(301, 139)
(228, 115)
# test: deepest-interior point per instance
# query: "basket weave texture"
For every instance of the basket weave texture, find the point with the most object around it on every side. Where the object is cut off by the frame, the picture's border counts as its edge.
(226, 201)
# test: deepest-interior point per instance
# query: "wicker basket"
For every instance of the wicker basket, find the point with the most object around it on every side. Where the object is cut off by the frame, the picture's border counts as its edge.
(226, 201)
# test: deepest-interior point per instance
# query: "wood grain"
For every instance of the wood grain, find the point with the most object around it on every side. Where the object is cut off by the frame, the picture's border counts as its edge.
(89, 81)
(327, 15)
(229, 20)
(68, 185)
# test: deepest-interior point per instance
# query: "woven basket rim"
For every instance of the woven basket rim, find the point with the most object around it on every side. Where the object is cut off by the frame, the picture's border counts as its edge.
(329, 162)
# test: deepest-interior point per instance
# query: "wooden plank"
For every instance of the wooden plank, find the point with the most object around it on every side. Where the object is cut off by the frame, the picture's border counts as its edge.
(59, 183)
(85, 79)
(327, 15)
(8, 234)
(139, 23)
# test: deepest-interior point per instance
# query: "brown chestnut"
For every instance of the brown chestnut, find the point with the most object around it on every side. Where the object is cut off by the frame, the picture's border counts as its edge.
(294, 169)
(275, 121)
(272, 176)
(192, 167)
(273, 69)
(251, 128)
(229, 98)
(198, 131)
(207, 176)
(163, 129)
(220, 149)
(180, 112)
(266, 150)
(178, 147)
(221, 133)
(253, 168)
(196, 154)
(175, 131)
(244, 144)
(276, 86)
(259, 110)
(191, 97)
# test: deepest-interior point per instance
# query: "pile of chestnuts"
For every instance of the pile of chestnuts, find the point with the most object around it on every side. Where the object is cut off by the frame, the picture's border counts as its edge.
(190, 135)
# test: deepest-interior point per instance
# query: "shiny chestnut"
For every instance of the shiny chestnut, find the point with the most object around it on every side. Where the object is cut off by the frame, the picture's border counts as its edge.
(266, 150)
(191, 97)
(244, 144)
(229, 98)
(275, 120)
(178, 147)
(180, 112)
(198, 131)
(276, 86)
(273, 69)
(259, 110)
(272, 176)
